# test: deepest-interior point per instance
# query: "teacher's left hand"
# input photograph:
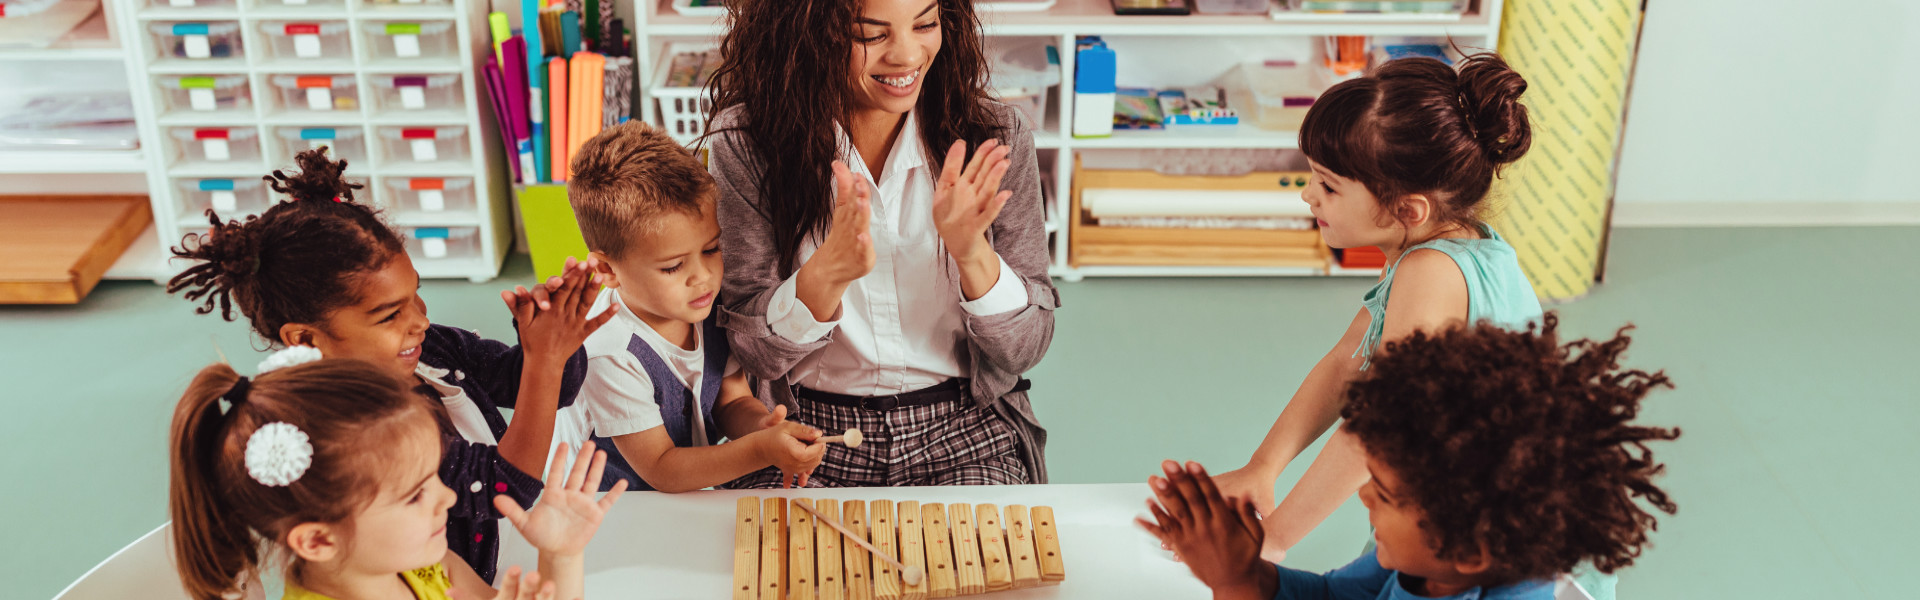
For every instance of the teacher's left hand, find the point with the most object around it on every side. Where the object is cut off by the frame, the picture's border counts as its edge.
(967, 198)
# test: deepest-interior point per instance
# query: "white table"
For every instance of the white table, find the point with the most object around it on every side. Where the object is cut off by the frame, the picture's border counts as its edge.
(655, 545)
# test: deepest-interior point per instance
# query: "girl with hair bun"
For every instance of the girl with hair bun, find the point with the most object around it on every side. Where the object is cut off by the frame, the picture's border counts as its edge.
(323, 270)
(1402, 159)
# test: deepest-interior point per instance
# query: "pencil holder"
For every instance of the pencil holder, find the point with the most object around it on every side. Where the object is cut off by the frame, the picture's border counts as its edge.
(552, 234)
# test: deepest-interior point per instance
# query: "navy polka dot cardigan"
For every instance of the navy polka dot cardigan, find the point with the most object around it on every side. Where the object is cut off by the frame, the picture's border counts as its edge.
(489, 372)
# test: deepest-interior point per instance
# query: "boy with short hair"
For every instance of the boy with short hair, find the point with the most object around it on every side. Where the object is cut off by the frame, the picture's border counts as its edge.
(660, 387)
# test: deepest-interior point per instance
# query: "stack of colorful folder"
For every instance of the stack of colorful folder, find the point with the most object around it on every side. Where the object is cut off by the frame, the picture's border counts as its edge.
(560, 79)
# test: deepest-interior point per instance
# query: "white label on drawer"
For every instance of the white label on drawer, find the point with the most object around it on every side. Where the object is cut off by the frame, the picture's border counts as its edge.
(433, 200)
(306, 46)
(320, 98)
(216, 150)
(180, 2)
(424, 151)
(434, 247)
(196, 46)
(295, 2)
(223, 201)
(413, 97)
(201, 99)
(311, 144)
(406, 45)
(411, 1)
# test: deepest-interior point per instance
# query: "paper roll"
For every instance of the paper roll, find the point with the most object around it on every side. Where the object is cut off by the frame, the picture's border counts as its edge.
(1112, 202)
(1556, 198)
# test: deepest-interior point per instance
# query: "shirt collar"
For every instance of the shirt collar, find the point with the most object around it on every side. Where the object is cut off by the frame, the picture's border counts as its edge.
(907, 153)
(437, 378)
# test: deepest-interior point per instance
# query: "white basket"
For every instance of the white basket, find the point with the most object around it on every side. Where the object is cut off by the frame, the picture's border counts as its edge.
(683, 110)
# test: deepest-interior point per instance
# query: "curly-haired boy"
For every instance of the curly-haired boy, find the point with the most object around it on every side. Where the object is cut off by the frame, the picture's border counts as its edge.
(1500, 460)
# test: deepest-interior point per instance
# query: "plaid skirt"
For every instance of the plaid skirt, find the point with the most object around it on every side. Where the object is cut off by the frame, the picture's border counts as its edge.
(950, 443)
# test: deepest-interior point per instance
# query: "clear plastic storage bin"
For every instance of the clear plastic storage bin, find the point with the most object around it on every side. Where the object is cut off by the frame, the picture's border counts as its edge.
(1232, 7)
(424, 144)
(218, 144)
(1023, 74)
(196, 41)
(1274, 96)
(307, 40)
(343, 143)
(410, 40)
(206, 93)
(438, 243)
(429, 194)
(192, 3)
(228, 198)
(416, 92)
(317, 93)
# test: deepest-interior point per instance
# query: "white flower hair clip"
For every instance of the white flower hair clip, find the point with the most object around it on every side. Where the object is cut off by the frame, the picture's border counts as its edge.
(290, 356)
(278, 454)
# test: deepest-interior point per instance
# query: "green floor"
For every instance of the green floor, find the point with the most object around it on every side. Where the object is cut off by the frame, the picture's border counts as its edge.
(1792, 348)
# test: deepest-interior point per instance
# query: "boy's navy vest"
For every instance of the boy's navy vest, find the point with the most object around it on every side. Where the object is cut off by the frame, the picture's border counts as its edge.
(674, 399)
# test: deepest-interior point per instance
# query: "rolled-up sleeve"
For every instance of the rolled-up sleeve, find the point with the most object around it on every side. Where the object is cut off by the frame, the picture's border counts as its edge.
(1008, 294)
(791, 319)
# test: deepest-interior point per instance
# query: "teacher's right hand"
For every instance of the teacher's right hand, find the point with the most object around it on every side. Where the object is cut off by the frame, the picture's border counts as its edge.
(847, 252)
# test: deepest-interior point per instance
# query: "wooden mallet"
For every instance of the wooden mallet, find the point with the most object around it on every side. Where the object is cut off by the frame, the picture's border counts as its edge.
(912, 575)
(851, 438)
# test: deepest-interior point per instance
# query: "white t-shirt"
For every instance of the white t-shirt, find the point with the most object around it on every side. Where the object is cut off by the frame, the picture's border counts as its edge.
(617, 396)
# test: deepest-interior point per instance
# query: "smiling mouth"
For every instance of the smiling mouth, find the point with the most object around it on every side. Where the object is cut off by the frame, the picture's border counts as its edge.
(413, 352)
(898, 81)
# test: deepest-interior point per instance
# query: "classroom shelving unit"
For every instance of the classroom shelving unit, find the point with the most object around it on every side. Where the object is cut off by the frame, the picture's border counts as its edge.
(225, 91)
(1154, 51)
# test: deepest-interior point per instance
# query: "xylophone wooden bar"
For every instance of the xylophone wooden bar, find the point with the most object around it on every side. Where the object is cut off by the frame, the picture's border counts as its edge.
(826, 547)
(967, 573)
(796, 550)
(1026, 570)
(746, 549)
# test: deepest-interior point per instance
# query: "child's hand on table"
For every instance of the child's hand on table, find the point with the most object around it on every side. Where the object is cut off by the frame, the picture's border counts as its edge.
(566, 517)
(789, 446)
(1218, 538)
(512, 588)
(554, 333)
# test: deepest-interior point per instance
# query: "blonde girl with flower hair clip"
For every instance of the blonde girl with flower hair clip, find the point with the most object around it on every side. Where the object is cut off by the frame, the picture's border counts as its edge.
(325, 472)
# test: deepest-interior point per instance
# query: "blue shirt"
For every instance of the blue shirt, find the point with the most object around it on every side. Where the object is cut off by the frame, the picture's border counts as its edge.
(1365, 579)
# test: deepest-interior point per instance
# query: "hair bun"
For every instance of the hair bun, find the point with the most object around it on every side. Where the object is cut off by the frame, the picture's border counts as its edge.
(320, 179)
(1490, 98)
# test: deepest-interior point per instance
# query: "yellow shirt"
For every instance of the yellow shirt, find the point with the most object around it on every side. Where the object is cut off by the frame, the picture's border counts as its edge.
(427, 583)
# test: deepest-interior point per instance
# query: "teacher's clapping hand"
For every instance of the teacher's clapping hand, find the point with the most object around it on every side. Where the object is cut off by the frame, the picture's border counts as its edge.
(965, 202)
(846, 254)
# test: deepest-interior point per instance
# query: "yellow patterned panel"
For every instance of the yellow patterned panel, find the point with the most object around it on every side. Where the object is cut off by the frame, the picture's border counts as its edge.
(1576, 56)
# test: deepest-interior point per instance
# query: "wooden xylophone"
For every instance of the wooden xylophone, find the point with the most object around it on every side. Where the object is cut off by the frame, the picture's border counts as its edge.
(781, 552)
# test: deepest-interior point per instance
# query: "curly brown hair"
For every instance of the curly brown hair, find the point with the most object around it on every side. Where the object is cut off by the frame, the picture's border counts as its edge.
(1513, 442)
(296, 261)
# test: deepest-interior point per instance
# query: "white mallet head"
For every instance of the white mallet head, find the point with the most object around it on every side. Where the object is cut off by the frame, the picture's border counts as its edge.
(852, 438)
(913, 575)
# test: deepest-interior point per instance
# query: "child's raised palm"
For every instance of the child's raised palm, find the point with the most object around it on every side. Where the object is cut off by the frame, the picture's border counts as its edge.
(566, 516)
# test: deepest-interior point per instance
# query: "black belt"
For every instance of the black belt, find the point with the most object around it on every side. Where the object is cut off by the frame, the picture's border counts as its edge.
(951, 390)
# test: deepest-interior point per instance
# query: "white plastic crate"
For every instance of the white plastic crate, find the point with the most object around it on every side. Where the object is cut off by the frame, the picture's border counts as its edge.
(316, 93)
(196, 40)
(1023, 76)
(445, 144)
(218, 144)
(231, 199)
(683, 110)
(343, 143)
(443, 243)
(408, 93)
(409, 40)
(429, 195)
(206, 93)
(307, 40)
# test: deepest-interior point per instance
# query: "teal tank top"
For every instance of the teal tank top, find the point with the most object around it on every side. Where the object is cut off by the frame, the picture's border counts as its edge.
(1497, 290)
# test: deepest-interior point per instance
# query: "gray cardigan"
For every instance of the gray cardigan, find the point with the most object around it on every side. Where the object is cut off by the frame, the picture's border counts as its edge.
(1001, 347)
